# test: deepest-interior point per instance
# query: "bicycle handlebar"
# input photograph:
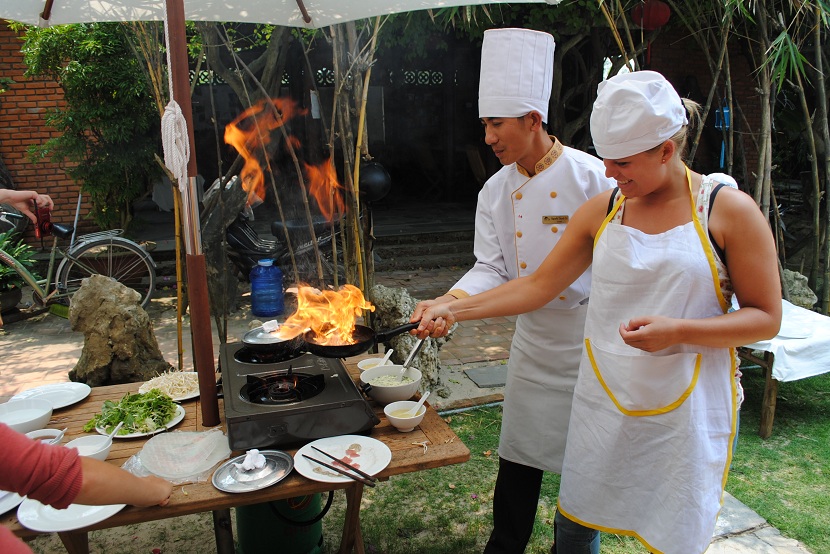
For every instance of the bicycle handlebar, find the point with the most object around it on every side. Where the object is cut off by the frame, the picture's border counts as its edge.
(11, 214)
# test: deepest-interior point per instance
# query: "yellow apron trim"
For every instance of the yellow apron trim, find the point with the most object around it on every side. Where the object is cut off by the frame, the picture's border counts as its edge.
(641, 413)
(626, 532)
(608, 218)
(707, 247)
(733, 366)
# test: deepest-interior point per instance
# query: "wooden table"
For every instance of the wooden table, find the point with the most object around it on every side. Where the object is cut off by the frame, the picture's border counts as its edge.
(764, 361)
(408, 455)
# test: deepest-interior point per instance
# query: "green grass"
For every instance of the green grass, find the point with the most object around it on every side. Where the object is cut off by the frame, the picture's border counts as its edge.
(449, 510)
(786, 478)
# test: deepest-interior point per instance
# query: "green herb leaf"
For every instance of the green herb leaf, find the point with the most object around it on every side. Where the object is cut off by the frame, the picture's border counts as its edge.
(141, 413)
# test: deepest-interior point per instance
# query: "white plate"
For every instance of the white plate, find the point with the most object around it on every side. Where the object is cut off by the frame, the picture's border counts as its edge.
(186, 396)
(177, 418)
(60, 395)
(372, 457)
(46, 519)
(9, 500)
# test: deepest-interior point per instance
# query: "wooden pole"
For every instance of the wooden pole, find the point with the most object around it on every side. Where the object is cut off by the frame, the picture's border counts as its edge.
(200, 328)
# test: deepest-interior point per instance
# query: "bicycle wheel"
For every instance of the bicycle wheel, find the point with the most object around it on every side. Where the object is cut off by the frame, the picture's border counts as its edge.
(115, 257)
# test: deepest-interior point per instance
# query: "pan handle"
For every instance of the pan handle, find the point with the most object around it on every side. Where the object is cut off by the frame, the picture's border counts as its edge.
(383, 336)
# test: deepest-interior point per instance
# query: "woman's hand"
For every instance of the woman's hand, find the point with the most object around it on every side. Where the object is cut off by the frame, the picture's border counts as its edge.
(158, 491)
(25, 200)
(650, 333)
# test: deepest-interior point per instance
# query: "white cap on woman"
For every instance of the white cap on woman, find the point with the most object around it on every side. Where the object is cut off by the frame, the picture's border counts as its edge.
(635, 112)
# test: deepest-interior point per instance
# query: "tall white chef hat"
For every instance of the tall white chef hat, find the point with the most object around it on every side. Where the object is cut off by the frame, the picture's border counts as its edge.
(634, 112)
(516, 73)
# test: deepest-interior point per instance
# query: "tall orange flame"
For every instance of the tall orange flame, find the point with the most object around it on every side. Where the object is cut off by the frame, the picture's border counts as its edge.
(330, 314)
(250, 132)
(323, 185)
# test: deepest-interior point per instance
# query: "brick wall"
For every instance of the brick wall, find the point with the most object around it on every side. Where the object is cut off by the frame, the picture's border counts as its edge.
(22, 111)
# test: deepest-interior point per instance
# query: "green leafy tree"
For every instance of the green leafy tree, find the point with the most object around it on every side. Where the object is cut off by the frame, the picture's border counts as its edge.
(109, 125)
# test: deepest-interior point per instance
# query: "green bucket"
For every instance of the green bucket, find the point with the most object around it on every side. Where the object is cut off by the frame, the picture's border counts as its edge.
(293, 526)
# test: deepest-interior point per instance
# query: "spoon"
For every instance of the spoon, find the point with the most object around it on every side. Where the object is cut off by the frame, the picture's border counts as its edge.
(59, 436)
(386, 358)
(411, 357)
(114, 431)
(414, 411)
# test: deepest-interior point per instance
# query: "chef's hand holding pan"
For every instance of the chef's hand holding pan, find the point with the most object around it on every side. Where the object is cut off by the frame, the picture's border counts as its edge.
(436, 319)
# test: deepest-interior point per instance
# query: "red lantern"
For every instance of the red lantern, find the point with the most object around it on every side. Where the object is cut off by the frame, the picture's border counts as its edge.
(651, 14)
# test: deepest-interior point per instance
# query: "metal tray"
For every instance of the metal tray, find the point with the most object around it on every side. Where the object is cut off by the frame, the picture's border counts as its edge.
(229, 478)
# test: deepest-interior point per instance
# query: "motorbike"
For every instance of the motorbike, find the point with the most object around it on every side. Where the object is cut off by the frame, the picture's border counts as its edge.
(246, 247)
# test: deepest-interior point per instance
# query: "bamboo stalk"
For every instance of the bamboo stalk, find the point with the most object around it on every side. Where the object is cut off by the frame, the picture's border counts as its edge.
(179, 279)
(292, 153)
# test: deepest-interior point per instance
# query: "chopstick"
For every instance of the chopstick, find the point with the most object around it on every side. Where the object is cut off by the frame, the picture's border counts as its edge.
(359, 472)
(341, 472)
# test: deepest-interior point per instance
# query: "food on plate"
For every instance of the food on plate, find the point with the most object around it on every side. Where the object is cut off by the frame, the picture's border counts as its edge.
(175, 384)
(350, 457)
(141, 413)
(390, 381)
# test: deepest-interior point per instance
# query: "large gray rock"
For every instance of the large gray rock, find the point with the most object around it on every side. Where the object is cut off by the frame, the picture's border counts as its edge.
(800, 293)
(119, 343)
(393, 307)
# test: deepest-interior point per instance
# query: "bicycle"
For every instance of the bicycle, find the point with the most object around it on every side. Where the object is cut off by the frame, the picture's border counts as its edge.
(104, 253)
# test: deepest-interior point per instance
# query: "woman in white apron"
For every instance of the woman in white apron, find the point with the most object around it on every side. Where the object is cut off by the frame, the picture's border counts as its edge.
(653, 414)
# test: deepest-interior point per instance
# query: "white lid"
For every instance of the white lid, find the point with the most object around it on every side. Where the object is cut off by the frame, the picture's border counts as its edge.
(266, 262)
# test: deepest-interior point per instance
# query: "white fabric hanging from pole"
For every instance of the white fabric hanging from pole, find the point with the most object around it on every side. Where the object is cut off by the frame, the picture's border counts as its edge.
(174, 137)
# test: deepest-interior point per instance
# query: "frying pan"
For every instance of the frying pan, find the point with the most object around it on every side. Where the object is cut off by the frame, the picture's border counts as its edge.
(261, 341)
(364, 337)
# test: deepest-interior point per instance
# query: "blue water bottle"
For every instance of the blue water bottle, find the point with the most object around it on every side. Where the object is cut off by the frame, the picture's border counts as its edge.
(266, 289)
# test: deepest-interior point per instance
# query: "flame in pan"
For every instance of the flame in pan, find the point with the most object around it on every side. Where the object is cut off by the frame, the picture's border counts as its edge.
(330, 314)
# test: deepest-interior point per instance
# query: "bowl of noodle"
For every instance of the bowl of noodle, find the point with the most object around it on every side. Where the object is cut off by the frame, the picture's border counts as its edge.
(178, 385)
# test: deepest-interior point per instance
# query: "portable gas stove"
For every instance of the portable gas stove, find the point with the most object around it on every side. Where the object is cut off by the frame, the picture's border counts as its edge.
(276, 402)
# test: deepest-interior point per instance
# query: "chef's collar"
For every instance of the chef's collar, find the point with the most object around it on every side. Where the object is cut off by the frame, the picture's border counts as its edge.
(547, 160)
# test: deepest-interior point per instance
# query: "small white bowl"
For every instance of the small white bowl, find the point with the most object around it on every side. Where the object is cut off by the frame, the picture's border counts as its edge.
(49, 436)
(369, 363)
(404, 424)
(96, 446)
(385, 394)
(26, 415)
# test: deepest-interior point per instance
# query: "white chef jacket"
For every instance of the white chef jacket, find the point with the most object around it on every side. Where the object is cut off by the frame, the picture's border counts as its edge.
(519, 220)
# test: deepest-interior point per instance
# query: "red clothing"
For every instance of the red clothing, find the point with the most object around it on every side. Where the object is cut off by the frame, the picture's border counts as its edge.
(49, 474)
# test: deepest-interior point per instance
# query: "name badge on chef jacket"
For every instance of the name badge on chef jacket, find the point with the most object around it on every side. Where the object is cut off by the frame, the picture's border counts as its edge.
(554, 219)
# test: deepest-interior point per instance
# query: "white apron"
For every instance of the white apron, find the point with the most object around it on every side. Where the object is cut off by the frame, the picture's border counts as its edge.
(649, 442)
(544, 363)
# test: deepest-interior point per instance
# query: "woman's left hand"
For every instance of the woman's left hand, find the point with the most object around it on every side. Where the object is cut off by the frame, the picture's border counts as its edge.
(650, 333)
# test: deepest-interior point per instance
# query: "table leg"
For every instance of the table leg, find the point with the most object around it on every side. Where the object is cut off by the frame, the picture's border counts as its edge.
(223, 531)
(352, 540)
(75, 542)
(770, 396)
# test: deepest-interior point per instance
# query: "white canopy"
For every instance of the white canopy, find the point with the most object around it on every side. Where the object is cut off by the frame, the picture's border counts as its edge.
(277, 12)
